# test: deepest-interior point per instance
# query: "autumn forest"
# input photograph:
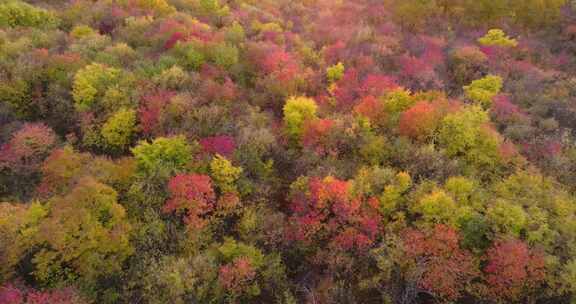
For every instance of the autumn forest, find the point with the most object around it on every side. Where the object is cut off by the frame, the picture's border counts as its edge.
(287, 151)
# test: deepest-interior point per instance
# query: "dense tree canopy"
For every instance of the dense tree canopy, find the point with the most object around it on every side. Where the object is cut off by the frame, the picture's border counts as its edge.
(287, 151)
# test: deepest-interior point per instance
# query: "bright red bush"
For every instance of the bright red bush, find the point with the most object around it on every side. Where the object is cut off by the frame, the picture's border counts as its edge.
(371, 108)
(378, 85)
(446, 268)
(11, 294)
(419, 121)
(223, 145)
(328, 212)
(281, 64)
(192, 195)
(512, 269)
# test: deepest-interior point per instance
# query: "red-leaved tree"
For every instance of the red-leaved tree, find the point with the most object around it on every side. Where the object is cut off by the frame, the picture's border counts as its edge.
(281, 64)
(223, 145)
(28, 147)
(419, 121)
(237, 275)
(505, 111)
(513, 269)
(151, 107)
(328, 214)
(315, 131)
(191, 195)
(371, 108)
(12, 294)
(378, 85)
(440, 266)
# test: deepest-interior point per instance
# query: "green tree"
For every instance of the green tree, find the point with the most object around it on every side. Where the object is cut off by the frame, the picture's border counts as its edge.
(91, 83)
(119, 128)
(224, 174)
(158, 7)
(15, 13)
(297, 111)
(85, 235)
(18, 233)
(173, 78)
(225, 55)
(190, 55)
(459, 131)
(497, 37)
(163, 157)
(81, 31)
(235, 34)
(485, 154)
(482, 91)
(545, 206)
(392, 197)
(398, 101)
(213, 8)
(437, 207)
(17, 94)
(461, 189)
(468, 135)
(506, 217)
(375, 150)
(335, 72)
(568, 278)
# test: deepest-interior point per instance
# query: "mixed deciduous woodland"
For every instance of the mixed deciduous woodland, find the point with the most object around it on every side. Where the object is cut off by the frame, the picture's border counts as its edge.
(287, 151)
